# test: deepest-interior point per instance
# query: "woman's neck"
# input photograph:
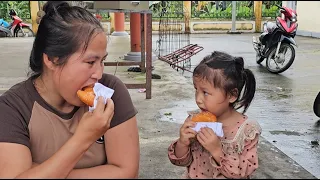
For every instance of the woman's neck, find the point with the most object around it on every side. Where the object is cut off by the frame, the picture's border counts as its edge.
(49, 93)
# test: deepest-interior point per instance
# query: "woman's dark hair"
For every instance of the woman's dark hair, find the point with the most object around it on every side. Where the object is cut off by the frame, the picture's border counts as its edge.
(63, 29)
(228, 73)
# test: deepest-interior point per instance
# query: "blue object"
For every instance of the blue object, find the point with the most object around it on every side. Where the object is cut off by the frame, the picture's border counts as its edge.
(4, 23)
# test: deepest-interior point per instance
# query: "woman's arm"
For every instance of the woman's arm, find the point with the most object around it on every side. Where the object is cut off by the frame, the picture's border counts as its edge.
(16, 160)
(123, 154)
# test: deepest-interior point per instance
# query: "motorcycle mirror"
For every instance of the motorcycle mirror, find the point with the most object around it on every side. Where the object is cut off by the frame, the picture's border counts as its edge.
(316, 105)
(279, 6)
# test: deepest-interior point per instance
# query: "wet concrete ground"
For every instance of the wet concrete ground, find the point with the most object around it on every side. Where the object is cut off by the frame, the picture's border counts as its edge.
(283, 103)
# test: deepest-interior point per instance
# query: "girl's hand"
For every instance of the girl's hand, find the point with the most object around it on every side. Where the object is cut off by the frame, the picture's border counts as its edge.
(209, 140)
(94, 124)
(186, 133)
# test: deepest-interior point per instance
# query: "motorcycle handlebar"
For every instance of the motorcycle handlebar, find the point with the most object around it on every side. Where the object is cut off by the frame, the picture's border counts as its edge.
(279, 6)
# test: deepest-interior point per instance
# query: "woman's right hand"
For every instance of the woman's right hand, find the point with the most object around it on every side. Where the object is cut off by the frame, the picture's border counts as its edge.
(186, 133)
(94, 124)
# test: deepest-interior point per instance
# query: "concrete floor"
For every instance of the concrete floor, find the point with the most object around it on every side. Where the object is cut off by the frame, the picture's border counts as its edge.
(282, 105)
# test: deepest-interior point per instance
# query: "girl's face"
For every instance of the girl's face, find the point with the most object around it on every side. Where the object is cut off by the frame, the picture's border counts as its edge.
(81, 70)
(209, 98)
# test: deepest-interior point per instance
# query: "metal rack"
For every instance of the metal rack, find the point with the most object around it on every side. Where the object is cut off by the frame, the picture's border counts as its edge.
(178, 58)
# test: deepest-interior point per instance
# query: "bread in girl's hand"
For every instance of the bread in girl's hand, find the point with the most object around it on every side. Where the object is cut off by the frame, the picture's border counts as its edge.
(87, 95)
(204, 117)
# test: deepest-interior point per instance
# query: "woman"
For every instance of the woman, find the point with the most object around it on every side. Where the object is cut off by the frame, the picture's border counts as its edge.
(46, 131)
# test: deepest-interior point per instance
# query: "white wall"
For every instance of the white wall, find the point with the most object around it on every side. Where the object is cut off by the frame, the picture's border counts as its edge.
(290, 4)
(308, 18)
(308, 15)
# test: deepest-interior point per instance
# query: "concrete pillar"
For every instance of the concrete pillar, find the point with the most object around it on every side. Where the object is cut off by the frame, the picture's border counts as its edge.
(258, 15)
(34, 8)
(111, 22)
(119, 24)
(135, 38)
(187, 15)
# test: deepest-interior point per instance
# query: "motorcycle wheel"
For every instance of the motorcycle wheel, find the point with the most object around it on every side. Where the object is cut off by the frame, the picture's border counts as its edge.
(26, 30)
(3, 34)
(272, 53)
(316, 105)
(259, 58)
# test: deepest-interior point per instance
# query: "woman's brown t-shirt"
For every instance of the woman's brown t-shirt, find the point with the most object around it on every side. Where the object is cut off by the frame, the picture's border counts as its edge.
(25, 118)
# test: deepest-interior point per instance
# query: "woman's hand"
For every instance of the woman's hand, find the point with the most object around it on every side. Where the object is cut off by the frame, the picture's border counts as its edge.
(94, 124)
(186, 133)
(209, 140)
(34, 164)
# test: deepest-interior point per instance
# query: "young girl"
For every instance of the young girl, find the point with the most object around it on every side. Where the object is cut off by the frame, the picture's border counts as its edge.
(222, 86)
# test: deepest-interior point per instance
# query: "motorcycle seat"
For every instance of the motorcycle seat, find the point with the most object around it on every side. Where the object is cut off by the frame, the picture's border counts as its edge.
(269, 27)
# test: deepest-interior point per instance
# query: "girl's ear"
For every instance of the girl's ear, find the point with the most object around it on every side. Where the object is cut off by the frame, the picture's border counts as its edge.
(233, 96)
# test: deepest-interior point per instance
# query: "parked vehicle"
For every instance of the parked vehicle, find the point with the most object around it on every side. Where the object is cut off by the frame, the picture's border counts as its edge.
(4, 23)
(316, 109)
(277, 41)
(316, 105)
(16, 29)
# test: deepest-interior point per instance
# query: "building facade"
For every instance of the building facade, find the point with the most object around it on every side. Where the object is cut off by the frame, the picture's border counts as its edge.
(308, 22)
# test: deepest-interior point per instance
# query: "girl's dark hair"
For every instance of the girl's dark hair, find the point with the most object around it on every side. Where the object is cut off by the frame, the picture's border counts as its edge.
(228, 73)
(62, 31)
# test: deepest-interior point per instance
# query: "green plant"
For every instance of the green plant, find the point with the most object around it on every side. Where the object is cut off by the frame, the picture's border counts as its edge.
(210, 11)
(271, 12)
(245, 12)
(21, 7)
(167, 9)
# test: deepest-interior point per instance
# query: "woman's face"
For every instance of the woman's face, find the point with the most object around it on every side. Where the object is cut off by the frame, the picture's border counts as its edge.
(81, 70)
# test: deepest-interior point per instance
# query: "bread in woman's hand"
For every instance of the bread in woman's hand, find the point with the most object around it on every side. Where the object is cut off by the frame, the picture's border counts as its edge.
(204, 117)
(87, 95)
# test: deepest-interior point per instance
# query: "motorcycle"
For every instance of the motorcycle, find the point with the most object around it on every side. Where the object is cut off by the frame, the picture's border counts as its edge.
(4, 23)
(316, 105)
(276, 41)
(316, 109)
(16, 29)
(3, 27)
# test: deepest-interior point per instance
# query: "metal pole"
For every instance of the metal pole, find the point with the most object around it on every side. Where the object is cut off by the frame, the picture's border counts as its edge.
(233, 28)
(148, 42)
(143, 43)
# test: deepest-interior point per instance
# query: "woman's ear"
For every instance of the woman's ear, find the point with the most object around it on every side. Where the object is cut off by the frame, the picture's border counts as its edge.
(49, 62)
(233, 96)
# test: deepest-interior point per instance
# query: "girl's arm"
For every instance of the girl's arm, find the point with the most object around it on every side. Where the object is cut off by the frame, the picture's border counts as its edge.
(179, 154)
(180, 149)
(123, 154)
